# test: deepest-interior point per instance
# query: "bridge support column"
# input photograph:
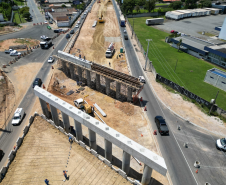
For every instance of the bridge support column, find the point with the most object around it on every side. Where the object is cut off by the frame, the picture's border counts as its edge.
(78, 130)
(88, 78)
(98, 82)
(44, 108)
(55, 117)
(107, 84)
(66, 122)
(68, 73)
(146, 175)
(126, 162)
(92, 140)
(118, 87)
(129, 94)
(108, 150)
(79, 69)
(72, 71)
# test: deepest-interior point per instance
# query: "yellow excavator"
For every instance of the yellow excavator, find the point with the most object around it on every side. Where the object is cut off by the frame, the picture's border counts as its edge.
(101, 20)
(80, 103)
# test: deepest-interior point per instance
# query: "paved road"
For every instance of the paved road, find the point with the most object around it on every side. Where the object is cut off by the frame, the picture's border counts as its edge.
(37, 16)
(180, 160)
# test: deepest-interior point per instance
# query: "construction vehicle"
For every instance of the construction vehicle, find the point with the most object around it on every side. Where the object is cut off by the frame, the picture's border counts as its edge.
(98, 1)
(110, 51)
(80, 104)
(101, 18)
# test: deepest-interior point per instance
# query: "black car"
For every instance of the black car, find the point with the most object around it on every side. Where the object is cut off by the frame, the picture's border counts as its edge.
(126, 36)
(37, 82)
(68, 36)
(57, 30)
(72, 32)
(161, 125)
(1, 154)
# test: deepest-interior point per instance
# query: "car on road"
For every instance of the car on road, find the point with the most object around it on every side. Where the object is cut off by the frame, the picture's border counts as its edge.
(221, 144)
(57, 30)
(9, 51)
(142, 79)
(46, 22)
(15, 53)
(50, 22)
(72, 32)
(51, 59)
(37, 82)
(76, 26)
(124, 31)
(18, 116)
(68, 36)
(125, 36)
(161, 125)
(1, 154)
(43, 37)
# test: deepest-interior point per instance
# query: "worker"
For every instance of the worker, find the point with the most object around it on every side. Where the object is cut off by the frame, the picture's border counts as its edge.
(110, 64)
(70, 139)
(65, 174)
(47, 181)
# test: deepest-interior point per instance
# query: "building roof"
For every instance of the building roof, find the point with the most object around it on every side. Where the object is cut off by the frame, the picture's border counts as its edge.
(219, 49)
(218, 72)
(62, 18)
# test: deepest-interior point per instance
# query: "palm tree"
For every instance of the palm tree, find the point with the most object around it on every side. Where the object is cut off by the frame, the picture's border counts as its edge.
(179, 43)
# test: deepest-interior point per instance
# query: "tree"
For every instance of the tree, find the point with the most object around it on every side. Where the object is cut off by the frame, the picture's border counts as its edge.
(63, 6)
(128, 6)
(176, 5)
(179, 43)
(24, 9)
(141, 2)
(26, 15)
(150, 5)
(137, 8)
(206, 3)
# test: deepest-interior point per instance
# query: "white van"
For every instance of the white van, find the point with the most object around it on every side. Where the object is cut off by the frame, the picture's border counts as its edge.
(18, 116)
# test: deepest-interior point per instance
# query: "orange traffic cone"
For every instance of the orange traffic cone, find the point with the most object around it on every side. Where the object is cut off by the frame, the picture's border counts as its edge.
(196, 171)
(155, 132)
(141, 99)
(145, 109)
(52, 67)
(141, 135)
(44, 86)
(53, 47)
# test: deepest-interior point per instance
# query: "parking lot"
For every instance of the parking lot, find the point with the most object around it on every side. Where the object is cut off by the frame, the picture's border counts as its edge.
(194, 25)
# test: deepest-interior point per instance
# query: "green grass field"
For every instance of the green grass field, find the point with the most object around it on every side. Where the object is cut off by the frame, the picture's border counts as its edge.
(190, 71)
(16, 18)
(19, 3)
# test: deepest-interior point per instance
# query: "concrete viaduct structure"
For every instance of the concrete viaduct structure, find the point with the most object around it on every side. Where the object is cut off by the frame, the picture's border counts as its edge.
(70, 63)
(129, 147)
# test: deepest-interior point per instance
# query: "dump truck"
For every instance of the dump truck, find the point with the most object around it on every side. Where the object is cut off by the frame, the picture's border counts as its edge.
(47, 43)
(80, 104)
(110, 51)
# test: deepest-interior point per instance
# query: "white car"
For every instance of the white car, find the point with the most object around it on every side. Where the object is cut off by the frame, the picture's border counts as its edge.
(142, 79)
(46, 22)
(124, 31)
(221, 144)
(51, 59)
(18, 116)
(13, 53)
(43, 37)
(76, 26)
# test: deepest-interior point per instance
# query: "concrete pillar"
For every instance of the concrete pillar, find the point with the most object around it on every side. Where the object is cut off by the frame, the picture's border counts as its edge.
(97, 82)
(44, 108)
(126, 162)
(55, 117)
(129, 94)
(88, 78)
(68, 73)
(108, 150)
(78, 130)
(92, 140)
(63, 65)
(66, 122)
(72, 71)
(118, 88)
(146, 178)
(79, 69)
(107, 84)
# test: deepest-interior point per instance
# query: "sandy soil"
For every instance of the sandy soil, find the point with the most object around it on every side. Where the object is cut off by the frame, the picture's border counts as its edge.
(92, 41)
(10, 29)
(4, 45)
(185, 109)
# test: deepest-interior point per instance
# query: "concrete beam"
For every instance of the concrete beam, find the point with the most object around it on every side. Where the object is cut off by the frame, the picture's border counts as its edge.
(66, 122)
(107, 84)
(97, 82)
(79, 70)
(118, 88)
(92, 140)
(72, 71)
(44, 108)
(126, 162)
(78, 130)
(54, 113)
(129, 94)
(146, 178)
(88, 78)
(143, 154)
(108, 150)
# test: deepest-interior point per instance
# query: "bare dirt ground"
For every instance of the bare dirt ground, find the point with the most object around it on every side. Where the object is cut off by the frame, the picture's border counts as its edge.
(185, 109)
(46, 152)
(93, 42)
(4, 45)
(10, 29)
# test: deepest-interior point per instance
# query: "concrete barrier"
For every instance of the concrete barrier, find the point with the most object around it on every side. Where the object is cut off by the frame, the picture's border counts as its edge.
(82, 144)
(26, 128)
(19, 141)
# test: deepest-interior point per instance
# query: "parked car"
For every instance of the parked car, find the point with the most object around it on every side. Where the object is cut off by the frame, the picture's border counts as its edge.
(46, 22)
(9, 51)
(68, 36)
(1, 154)
(50, 22)
(125, 36)
(221, 144)
(57, 30)
(15, 53)
(142, 79)
(18, 116)
(76, 26)
(161, 125)
(72, 32)
(37, 82)
(51, 59)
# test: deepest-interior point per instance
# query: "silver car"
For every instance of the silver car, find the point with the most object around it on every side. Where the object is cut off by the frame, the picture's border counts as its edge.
(221, 144)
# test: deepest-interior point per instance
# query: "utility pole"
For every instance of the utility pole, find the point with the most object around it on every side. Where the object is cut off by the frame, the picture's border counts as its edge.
(147, 53)
(133, 27)
(175, 66)
(213, 103)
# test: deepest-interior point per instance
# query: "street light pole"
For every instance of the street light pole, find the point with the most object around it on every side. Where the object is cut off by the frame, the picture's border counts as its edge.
(213, 103)
(147, 53)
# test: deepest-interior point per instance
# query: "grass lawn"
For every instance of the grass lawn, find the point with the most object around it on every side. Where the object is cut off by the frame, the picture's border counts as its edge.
(190, 70)
(155, 10)
(161, 4)
(20, 3)
(16, 18)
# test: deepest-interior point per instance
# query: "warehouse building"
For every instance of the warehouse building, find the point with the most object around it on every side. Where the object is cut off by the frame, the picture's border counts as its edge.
(216, 78)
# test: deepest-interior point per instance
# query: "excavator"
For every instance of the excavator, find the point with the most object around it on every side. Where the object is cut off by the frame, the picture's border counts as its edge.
(80, 104)
(101, 20)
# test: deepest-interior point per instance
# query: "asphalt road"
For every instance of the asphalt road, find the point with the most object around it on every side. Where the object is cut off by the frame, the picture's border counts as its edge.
(180, 160)
(37, 17)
